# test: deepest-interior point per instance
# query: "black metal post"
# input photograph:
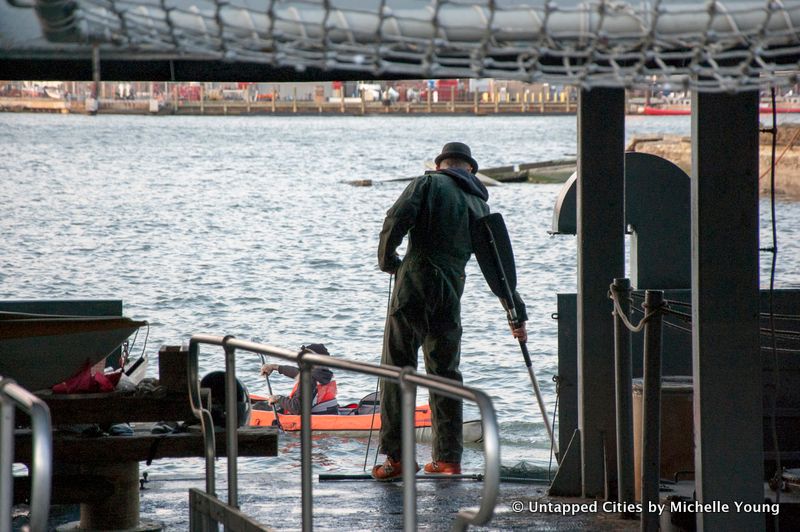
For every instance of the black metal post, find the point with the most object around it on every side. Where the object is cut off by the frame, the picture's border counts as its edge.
(306, 466)
(231, 423)
(621, 289)
(600, 204)
(651, 408)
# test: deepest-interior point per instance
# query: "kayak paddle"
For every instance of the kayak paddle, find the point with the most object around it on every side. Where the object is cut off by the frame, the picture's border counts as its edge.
(274, 408)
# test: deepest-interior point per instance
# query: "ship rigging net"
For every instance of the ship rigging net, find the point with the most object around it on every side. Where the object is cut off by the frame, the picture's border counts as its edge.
(730, 45)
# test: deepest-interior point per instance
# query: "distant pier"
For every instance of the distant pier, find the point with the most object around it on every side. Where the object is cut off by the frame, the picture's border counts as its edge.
(347, 106)
(678, 150)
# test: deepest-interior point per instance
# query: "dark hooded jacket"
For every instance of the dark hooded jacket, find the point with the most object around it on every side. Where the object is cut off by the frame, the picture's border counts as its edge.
(437, 211)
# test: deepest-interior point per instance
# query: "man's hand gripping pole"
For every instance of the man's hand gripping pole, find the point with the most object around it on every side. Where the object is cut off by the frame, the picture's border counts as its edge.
(494, 266)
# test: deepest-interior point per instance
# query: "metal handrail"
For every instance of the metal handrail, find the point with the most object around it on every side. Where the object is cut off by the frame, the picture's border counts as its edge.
(12, 395)
(408, 380)
(206, 421)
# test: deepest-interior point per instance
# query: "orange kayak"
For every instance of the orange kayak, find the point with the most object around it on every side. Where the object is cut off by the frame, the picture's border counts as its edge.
(345, 422)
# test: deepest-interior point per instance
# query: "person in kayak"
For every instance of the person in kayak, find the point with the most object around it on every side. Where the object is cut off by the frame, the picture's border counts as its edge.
(437, 211)
(324, 391)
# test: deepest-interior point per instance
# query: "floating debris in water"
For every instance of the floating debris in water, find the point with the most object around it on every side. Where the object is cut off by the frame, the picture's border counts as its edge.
(360, 182)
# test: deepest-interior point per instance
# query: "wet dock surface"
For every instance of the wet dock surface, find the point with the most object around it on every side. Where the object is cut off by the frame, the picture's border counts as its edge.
(275, 501)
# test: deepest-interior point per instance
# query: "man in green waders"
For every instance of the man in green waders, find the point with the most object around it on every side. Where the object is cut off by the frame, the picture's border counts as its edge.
(437, 211)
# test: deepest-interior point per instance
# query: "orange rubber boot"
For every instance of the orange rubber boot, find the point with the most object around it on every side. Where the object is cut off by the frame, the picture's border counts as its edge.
(389, 470)
(443, 468)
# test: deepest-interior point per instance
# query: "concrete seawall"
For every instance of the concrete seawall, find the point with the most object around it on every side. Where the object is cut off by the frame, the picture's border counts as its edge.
(678, 150)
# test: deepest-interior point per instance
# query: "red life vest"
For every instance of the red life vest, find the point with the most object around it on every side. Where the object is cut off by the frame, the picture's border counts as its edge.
(325, 397)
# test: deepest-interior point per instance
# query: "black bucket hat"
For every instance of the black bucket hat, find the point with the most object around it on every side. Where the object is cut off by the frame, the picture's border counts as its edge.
(319, 349)
(457, 150)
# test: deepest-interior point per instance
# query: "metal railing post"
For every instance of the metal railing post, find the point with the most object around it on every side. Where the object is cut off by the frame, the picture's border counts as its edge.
(42, 459)
(6, 462)
(306, 469)
(622, 365)
(491, 457)
(651, 408)
(231, 422)
(409, 458)
(491, 444)
(206, 422)
(41, 473)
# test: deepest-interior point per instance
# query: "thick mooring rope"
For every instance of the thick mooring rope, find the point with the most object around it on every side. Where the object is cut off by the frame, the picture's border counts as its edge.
(649, 312)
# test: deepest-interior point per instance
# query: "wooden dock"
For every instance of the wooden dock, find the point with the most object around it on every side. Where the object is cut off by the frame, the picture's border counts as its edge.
(101, 471)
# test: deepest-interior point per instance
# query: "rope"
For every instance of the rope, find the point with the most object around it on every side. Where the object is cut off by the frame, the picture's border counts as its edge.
(557, 380)
(371, 425)
(784, 335)
(775, 161)
(764, 331)
(649, 314)
(782, 317)
(377, 384)
(784, 350)
(682, 315)
(687, 317)
(667, 323)
(678, 327)
(676, 303)
(128, 347)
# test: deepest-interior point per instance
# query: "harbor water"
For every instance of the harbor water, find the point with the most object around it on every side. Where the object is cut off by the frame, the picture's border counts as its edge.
(245, 226)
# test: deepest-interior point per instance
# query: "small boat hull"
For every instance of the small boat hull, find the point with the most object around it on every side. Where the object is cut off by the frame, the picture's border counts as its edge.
(554, 171)
(40, 350)
(355, 424)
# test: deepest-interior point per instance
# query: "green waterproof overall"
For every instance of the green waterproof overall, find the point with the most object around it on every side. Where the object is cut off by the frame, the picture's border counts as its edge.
(425, 309)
